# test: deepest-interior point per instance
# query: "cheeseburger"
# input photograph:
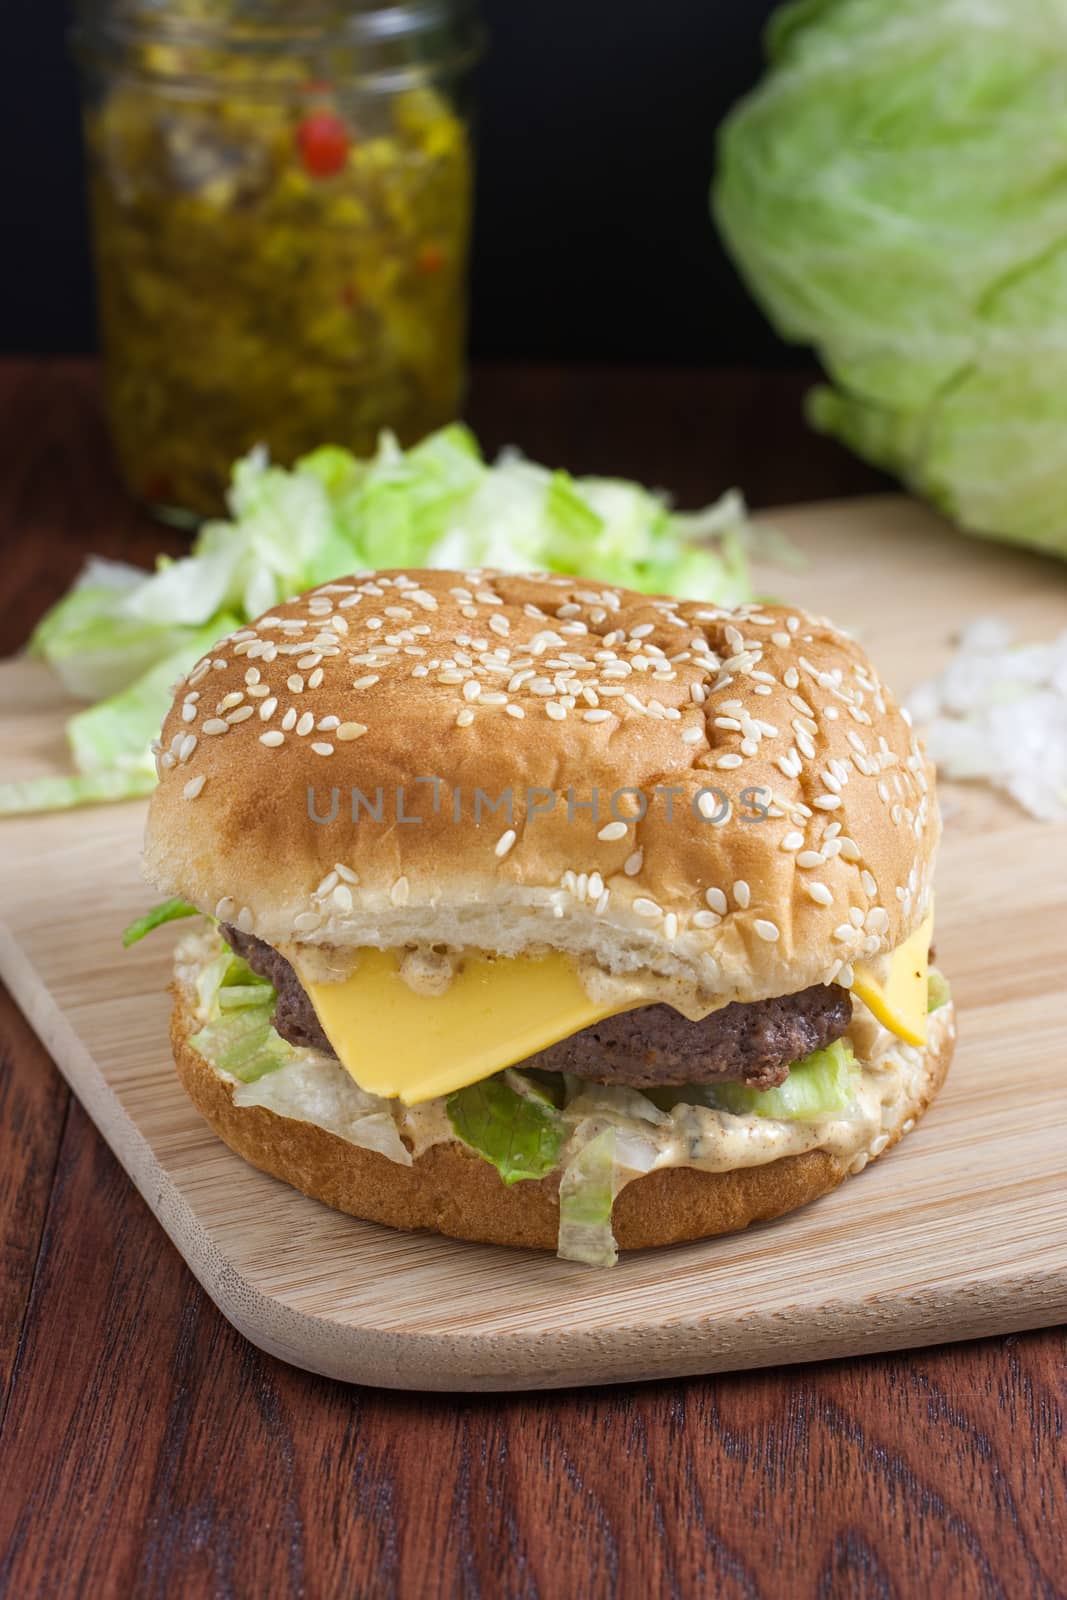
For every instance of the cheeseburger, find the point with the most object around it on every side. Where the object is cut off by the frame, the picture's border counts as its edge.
(545, 913)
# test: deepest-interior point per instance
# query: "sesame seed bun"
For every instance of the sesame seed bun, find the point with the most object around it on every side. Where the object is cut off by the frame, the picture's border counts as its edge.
(797, 836)
(449, 1189)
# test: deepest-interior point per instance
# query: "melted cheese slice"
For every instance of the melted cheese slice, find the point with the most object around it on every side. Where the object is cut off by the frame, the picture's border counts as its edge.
(411, 1046)
(414, 1047)
(899, 1000)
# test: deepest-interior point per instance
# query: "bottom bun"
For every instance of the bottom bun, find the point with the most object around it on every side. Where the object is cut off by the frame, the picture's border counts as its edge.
(450, 1189)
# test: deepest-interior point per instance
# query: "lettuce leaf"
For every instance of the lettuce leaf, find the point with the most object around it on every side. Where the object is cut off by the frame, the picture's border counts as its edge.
(110, 742)
(895, 195)
(821, 1085)
(587, 1191)
(938, 992)
(521, 1135)
(168, 911)
(243, 1043)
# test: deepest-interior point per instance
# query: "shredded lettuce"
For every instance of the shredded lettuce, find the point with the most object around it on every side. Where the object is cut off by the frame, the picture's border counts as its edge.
(122, 637)
(237, 1035)
(167, 911)
(821, 1085)
(521, 1134)
(587, 1191)
(938, 993)
(243, 1043)
(110, 742)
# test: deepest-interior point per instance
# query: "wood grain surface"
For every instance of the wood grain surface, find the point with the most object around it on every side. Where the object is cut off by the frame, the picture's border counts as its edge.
(147, 1449)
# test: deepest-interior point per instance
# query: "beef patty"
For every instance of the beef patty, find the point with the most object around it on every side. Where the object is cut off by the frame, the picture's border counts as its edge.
(750, 1043)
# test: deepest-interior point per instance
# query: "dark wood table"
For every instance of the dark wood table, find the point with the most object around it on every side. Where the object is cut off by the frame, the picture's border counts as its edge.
(148, 1450)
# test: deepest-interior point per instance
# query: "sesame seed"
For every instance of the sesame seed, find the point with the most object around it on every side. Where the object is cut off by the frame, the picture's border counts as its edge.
(268, 708)
(515, 711)
(315, 679)
(819, 893)
(505, 842)
(350, 730)
(295, 684)
(214, 726)
(342, 897)
(289, 720)
(692, 735)
(767, 931)
(187, 746)
(242, 714)
(305, 724)
(706, 919)
(366, 682)
(194, 786)
(272, 739)
(465, 718)
(742, 894)
(826, 802)
(596, 716)
(633, 863)
(791, 841)
(670, 925)
(307, 921)
(555, 711)
(328, 724)
(225, 908)
(321, 748)
(647, 908)
(728, 762)
(716, 900)
(188, 713)
(810, 858)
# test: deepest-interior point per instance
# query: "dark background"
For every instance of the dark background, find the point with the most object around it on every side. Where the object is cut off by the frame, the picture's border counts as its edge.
(593, 236)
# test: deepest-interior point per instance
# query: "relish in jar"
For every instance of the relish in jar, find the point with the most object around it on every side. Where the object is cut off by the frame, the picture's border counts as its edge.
(281, 207)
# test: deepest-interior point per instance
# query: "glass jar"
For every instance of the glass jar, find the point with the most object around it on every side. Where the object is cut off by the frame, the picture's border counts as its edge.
(280, 195)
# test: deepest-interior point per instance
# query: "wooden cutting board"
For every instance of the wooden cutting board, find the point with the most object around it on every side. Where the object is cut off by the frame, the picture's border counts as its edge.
(961, 1231)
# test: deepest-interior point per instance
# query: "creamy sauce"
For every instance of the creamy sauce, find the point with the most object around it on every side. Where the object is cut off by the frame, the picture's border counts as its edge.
(430, 970)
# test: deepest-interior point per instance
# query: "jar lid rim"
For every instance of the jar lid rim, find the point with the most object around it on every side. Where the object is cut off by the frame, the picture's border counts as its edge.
(373, 23)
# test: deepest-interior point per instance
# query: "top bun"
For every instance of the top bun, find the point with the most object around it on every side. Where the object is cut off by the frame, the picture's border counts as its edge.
(789, 820)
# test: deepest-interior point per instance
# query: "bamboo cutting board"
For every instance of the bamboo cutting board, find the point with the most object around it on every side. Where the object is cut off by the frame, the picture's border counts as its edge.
(961, 1231)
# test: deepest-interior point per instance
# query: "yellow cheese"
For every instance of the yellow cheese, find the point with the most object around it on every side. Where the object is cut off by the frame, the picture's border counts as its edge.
(401, 1044)
(495, 1012)
(900, 1000)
